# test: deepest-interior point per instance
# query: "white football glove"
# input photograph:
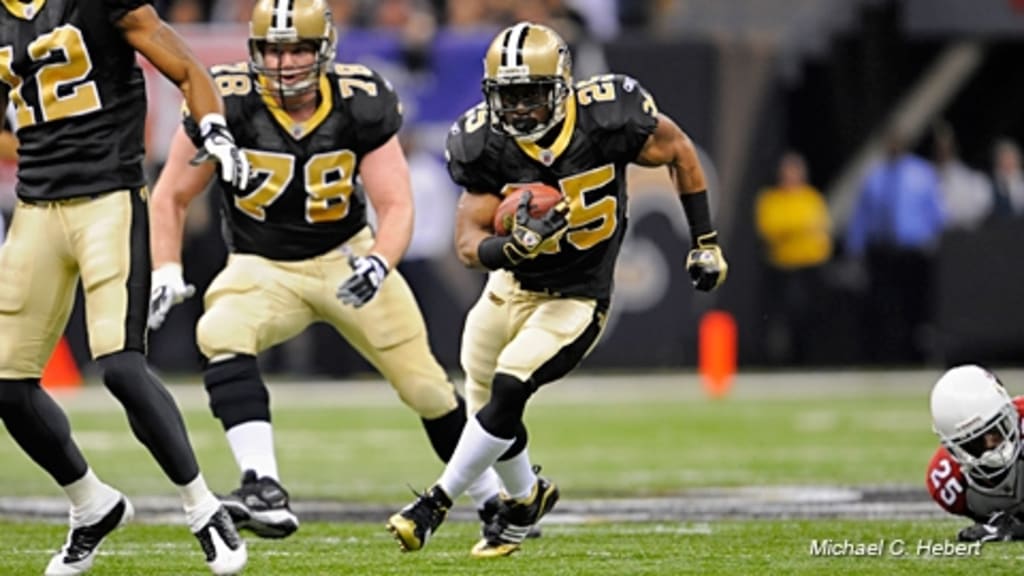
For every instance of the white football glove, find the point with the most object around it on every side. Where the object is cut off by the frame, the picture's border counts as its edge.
(368, 274)
(219, 145)
(167, 289)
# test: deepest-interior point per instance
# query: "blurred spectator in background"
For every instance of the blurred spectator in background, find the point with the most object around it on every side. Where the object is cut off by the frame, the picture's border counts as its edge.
(571, 25)
(466, 15)
(794, 224)
(186, 12)
(966, 195)
(1007, 191)
(896, 223)
(601, 16)
(413, 22)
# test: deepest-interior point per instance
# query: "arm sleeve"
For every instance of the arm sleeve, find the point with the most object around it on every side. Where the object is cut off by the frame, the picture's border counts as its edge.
(377, 112)
(626, 121)
(467, 160)
(946, 484)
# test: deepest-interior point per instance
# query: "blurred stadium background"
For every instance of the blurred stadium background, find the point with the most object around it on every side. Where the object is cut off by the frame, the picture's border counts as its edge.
(748, 80)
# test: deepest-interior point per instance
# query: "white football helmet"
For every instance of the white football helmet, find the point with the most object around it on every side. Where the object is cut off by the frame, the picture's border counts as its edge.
(976, 421)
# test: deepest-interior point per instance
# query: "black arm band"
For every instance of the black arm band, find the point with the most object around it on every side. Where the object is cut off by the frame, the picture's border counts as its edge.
(697, 213)
(491, 253)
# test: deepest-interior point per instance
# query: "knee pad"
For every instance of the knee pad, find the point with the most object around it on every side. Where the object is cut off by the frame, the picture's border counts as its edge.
(503, 413)
(236, 390)
(444, 432)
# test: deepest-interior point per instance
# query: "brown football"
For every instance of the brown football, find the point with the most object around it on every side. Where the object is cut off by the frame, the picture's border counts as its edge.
(544, 197)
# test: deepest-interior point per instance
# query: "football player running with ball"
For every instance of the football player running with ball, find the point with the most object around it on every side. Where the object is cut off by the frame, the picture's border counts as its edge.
(301, 250)
(544, 305)
(69, 69)
(978, 472)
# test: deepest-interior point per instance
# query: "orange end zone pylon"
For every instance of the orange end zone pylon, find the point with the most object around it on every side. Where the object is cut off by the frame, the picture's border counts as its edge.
(61, 372)
(717, 352)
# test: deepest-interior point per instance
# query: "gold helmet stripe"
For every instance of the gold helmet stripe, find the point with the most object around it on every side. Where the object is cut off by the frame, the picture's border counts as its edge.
(512, 51)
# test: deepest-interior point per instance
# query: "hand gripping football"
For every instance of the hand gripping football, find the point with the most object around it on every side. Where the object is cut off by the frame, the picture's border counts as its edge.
(544, 197)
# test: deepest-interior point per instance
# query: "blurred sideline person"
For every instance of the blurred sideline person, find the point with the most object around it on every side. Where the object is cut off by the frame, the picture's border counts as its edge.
(82, 212)
(793, 222)
(301, 250)
(977, 472)
(1007, 191)
(966, 194)
(895, 228)
(550, 284)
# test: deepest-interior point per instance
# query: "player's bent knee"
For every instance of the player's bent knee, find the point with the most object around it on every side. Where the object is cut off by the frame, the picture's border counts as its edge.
(123, 370)
(477, 395)
(428, 399)
(503, 413)
(215, 337)
(236, 391)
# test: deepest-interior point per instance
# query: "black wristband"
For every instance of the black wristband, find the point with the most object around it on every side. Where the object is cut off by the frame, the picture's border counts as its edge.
(192, 130)
(491, 253)
(698, 215)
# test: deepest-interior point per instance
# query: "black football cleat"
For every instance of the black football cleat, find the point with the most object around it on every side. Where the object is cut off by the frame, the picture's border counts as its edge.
(413, 525)
(260, 505)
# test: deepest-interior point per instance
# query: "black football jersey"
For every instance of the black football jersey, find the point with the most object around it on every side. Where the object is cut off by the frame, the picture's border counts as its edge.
(608, 120)
(78, 94)
(304, 198)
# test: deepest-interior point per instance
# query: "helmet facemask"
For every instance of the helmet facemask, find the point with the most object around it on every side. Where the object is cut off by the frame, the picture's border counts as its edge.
(986, 452)
(513, 102)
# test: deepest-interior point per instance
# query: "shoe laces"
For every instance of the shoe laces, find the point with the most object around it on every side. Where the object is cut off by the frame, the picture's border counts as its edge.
(428, 508)
(261, 493)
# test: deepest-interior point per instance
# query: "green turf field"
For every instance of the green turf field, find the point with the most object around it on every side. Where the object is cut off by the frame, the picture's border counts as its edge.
(727, 548)
(602, 443)
(619, 440)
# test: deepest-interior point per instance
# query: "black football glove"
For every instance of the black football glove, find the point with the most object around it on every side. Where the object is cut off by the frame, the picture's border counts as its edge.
(1000, 527)
(706, 264)
(218, 145)
(368, 274)
(529, 235)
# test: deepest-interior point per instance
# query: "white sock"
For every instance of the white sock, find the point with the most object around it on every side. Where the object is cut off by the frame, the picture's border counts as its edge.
(517, 475)
(90, 499)
(476, 452)
(253, 446)
(200, 504)
(484, 488)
